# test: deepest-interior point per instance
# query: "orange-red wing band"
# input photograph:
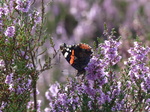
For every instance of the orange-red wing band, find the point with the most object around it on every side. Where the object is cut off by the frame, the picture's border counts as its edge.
(83, 46)
(72, 58)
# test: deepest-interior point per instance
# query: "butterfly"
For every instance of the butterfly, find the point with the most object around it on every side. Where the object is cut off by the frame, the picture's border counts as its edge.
(78, 56)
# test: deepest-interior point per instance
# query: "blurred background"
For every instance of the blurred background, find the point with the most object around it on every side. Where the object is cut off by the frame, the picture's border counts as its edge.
(75, 21)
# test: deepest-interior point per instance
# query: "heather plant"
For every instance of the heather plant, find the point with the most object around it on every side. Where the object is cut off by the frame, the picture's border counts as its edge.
(138, 79)
(103, 89)
(22, 35)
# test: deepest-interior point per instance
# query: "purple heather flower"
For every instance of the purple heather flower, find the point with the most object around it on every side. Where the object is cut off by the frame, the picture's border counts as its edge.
(36, 17)
(30, 105)
(1, 25)
(1, 12)
(23, 5)
(11, 5)
(115, 92)
(107, 98)
(54, 89)
(26, 57)
(148, 100)
(60, 98)
(90, 105)
(2, 64)
(137, 61)
(11, 87)
(119, 106)
(20, 90)
(33, 30)
(37, 92)
(128, 84)
(110, 51)
(95, 69)
(63, 99)
(30, 65)
(90, 91)
(47, 95)
(9, 78)
(22, 86)
(10, 31)
(29, 84)
(16, 85)
(102, 98)
(138, 53)
(3, 104)
(145, 85)
(4, 10)
(47, 109)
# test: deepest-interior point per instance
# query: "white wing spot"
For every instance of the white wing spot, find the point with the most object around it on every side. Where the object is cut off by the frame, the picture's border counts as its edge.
(67, 49)
(66, 54)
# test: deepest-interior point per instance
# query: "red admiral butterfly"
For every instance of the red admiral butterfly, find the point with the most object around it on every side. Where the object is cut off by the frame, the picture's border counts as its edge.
(77, 55)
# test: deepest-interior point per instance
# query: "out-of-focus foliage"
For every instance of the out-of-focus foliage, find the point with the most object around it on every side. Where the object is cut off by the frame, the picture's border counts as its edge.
(21, 38)
(81, 19)
(75, 21)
